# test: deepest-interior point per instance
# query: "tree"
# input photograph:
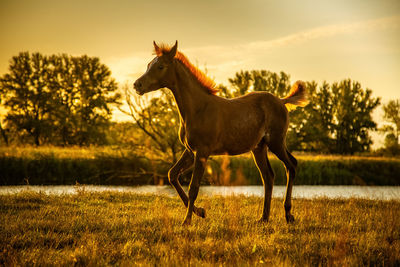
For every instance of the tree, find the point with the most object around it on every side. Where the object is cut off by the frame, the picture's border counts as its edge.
(2, 130)
(4, 135)
(352, 117)
(257, 80)
(309, 127)
(158, 120)
(59, 99)
(392, 128)
(27, 95)
(85, 103)
(124, 134)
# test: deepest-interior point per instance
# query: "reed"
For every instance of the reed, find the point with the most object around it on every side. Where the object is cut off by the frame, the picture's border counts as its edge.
(113, 165)
(313, 170)
(54, 165)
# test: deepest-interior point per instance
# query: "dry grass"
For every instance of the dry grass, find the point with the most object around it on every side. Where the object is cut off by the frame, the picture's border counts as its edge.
(126, 229)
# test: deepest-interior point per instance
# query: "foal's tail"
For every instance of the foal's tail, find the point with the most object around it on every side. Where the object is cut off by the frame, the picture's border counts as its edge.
(296, 97)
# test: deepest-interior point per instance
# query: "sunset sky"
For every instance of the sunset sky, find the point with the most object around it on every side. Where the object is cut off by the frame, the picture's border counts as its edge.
(310, 40)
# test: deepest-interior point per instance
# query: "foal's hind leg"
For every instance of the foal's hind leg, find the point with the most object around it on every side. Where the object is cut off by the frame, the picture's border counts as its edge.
(267, 175)
(184, 163)
(290, 164)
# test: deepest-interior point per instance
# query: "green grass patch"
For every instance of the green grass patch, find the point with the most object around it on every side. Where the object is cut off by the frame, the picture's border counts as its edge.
(55, 165)
(116, 166)
(128, 229)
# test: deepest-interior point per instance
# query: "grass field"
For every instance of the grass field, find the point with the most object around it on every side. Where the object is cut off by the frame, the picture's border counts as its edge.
(127, 229)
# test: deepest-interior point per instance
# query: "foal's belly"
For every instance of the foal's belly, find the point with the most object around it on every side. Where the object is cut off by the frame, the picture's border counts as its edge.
(239, 143)
(231, 152)
(229, 144)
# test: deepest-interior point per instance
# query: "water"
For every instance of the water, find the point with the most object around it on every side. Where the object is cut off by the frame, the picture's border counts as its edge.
(299, 191)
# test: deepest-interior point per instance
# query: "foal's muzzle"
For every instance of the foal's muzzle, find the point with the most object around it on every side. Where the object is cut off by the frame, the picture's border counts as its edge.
(138, 86)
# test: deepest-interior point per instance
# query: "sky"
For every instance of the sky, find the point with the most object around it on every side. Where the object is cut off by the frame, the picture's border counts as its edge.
(310, 40)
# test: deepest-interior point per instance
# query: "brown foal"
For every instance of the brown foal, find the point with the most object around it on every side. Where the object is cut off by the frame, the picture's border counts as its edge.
(212, 125)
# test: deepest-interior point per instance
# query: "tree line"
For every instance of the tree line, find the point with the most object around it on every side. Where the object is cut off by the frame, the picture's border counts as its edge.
(68, 100)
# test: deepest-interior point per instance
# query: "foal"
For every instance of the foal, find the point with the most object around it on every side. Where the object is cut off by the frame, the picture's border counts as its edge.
(212, 125)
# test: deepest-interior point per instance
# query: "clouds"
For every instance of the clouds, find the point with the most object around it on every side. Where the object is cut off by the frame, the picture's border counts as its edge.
(222, 61)
(327, 31)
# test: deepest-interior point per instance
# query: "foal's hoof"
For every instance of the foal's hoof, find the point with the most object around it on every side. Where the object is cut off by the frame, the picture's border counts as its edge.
(186, 222)
(289, 218)
(200, 212)
(262, 220)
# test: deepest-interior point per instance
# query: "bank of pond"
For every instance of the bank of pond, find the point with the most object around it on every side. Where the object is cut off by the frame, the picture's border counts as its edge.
(106, 166)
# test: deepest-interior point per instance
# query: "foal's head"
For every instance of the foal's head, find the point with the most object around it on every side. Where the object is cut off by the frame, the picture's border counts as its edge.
(158, 70)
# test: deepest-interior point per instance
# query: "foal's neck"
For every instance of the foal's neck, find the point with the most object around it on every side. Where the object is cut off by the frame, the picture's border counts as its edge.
(190, 95)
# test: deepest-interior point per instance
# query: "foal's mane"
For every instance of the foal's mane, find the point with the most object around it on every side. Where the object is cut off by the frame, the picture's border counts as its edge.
(207, 83)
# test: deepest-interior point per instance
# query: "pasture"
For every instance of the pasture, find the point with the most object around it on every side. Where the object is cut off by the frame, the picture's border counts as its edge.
(128, 229)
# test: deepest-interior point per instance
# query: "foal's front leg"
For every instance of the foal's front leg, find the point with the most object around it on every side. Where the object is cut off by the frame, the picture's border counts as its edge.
(183, 164)
(199, 166)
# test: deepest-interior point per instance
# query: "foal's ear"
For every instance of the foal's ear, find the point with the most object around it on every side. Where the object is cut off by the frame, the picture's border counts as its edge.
(156, 48)
(172, 52)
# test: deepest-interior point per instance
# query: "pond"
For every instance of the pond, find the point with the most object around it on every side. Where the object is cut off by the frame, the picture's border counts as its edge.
(299, 191)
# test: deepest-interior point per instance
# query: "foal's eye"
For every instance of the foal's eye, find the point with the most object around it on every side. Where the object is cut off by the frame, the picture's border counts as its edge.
(161, 67)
